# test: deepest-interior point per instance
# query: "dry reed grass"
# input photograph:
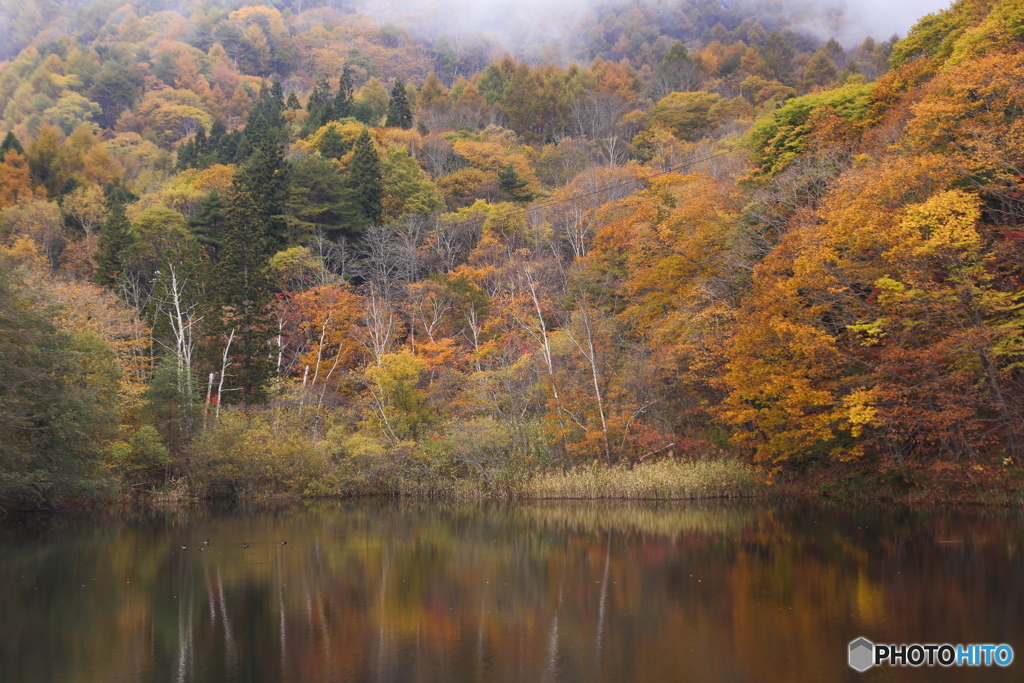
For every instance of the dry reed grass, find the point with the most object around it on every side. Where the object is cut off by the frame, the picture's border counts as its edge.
(665, 480)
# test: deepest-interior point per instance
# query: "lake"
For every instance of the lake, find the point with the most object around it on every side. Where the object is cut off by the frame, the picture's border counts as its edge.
(399, 591)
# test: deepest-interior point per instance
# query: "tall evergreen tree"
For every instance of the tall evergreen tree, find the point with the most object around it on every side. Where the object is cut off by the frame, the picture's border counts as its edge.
(188, 157)
(320, 107)
(399, 111)
(235, 148)
(200, 141)
(365, 178)
(240, 297)
(210, 223)
(215, 143)
(256, 130)
(115, 239)
(321, 200)
(343, 99)
(267, 178)
(778, 54)
(267, 106)
(266, 118)
(277, 97)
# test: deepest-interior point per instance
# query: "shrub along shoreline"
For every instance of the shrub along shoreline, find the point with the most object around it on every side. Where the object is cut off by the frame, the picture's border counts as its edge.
(666, 480)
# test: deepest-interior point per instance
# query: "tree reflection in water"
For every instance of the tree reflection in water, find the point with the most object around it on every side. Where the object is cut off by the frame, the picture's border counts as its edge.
(400, 591)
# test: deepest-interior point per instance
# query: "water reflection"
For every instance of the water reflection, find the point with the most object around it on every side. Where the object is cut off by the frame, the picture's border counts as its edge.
(427, 592)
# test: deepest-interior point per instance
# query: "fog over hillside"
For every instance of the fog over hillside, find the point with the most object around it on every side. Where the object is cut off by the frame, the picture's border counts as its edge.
(533, 22)
(854, 19)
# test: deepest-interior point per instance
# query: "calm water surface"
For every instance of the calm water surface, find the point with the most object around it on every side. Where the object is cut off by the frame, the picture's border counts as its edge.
(430, 592)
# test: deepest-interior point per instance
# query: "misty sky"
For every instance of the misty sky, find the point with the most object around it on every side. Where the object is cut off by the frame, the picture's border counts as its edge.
(517, 22)
(882, 18)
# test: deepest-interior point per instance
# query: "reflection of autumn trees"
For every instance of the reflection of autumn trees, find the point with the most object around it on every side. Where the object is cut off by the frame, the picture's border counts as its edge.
(478, 593)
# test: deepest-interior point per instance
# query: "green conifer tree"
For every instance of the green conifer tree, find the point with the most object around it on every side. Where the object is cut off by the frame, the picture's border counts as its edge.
(200, 141)
(241, 292)
(267, 179)
(256, 130)
(320, 107)
(332, 145)
(118, 192)
(513, 185)
(210, 223)
(215, 143)
(365, 178)
(321, 201)
(11, 142)
(236, 147)
(399, 111)
(277, 97)
(115, 239)
(187, 156)
(343, 100)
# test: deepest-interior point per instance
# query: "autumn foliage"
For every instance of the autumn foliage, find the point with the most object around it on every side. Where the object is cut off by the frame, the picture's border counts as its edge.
(314, 254)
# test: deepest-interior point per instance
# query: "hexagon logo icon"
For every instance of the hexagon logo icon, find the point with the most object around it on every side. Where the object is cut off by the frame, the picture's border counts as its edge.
(862, 654)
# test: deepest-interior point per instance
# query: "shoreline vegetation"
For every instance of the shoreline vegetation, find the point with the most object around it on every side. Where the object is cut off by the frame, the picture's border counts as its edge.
(249, 252)
(678, 481)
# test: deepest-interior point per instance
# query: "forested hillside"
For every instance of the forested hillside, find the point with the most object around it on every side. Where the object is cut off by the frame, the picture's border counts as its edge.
(255, 249)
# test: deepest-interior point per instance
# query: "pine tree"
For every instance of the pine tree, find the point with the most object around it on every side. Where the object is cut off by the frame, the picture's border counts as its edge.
(277, 98)
(365, 178)
(399, 111)
(115, 239)
(332, 145)
(200, 141)
(235, 149)
(343, 100)
(266, 119)
(118, 192)
(321, 200)
(188, 157)
(320, 108)
(292, 102)
(267, 178)
(256, 130)
(215, 143)
(11, 142)
(512, 184)
(210, 223)
(240, 301)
